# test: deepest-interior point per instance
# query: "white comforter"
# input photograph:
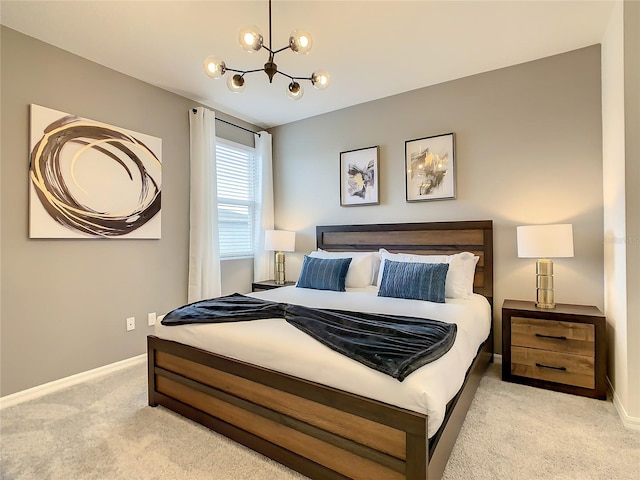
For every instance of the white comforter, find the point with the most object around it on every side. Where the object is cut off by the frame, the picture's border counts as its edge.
(276, 345)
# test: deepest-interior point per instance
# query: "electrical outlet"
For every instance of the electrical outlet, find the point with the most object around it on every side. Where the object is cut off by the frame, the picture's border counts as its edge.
(151, 318)
(131, 323)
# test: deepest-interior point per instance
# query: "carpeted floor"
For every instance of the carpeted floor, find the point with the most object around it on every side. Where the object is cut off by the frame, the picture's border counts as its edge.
(103, 429)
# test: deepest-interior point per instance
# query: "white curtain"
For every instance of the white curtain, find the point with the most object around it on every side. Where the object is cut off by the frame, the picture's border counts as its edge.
(204, 246)
(262, 259)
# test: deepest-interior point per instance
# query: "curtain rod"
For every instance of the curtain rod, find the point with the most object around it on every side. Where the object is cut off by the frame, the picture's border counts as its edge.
(232, 124)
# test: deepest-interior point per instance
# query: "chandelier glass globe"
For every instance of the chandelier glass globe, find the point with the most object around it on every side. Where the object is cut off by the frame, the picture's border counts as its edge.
(214, 67)
(300, 41)
(236, 83)
(295, 91)
(250, 39)
(320, 79)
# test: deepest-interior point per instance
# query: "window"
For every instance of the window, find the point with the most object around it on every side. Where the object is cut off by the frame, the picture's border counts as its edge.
(235, 164)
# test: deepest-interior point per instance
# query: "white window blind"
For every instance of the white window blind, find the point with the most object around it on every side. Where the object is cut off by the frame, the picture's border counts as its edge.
(235, 165)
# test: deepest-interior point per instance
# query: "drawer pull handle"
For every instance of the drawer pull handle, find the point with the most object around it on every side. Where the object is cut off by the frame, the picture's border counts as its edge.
(562, 337)
(564, 369)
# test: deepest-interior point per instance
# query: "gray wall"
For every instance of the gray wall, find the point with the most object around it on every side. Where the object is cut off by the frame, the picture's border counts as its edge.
(64, 302)
(528, 151)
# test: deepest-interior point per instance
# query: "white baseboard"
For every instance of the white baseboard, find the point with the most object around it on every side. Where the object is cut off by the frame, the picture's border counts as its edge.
(497, 358)
(44, 389)
(632, 423)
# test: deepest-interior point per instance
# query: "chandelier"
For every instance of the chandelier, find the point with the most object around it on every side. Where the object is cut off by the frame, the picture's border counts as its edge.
(251, 40)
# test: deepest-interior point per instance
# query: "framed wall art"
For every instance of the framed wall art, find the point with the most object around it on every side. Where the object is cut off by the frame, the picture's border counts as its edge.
(359, 178)
(92, 180)
(430, 168)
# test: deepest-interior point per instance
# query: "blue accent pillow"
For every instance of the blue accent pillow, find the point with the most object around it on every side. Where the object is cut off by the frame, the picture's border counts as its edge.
(324, 273)
(417, 281)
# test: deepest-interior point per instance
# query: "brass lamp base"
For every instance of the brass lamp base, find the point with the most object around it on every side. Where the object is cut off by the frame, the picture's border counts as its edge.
(544, 283)
(279, 270)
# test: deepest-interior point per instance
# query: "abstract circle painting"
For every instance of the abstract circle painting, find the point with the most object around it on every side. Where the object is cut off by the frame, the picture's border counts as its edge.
(92, 180)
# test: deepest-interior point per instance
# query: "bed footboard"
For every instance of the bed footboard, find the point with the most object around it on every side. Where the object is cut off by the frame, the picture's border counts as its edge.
(321, 432)
(316, 430)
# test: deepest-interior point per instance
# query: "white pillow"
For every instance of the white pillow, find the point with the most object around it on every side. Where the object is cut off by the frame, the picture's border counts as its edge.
(363, 268)
(470, 261)
(407, 257)
(462, 266)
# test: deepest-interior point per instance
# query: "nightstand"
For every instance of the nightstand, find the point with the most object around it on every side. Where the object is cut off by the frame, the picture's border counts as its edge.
(268, 285)
(562, 348)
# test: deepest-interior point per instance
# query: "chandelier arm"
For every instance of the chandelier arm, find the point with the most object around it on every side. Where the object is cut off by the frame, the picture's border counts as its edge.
(271, 52)
(291, 77)
(280, 49)
(286, 75)
(245, 71)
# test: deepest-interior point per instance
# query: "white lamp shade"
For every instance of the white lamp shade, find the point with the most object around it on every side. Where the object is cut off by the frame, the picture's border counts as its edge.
(280, 240)
(545, 241)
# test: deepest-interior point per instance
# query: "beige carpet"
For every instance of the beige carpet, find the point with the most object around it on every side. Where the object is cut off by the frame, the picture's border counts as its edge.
(103, 429)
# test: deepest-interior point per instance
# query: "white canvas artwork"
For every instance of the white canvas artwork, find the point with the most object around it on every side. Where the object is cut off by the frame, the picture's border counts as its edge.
(92, 180)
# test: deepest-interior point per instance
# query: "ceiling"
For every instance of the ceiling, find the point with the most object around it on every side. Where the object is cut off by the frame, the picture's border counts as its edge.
(372, 49)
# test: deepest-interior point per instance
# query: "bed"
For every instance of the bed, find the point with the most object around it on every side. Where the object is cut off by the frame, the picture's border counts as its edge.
(319, 429)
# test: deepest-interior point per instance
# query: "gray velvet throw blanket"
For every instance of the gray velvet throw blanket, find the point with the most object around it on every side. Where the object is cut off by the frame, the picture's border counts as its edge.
(394, 345)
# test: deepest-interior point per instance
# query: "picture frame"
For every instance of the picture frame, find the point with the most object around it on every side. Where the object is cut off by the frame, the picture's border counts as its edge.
(92, 180)
(359, 177)
(430, 168)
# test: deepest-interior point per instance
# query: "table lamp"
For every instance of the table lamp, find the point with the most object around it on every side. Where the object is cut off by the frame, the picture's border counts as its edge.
(545, 242)
(279, 241)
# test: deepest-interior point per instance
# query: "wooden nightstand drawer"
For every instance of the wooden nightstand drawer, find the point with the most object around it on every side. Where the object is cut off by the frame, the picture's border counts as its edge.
(567, 337)
(562, 348)
(578, 370)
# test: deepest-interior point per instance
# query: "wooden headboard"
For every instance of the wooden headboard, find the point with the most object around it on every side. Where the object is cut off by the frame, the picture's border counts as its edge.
(434, 238)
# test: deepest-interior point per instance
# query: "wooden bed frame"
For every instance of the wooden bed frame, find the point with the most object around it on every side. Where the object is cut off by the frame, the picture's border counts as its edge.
(319, 431)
